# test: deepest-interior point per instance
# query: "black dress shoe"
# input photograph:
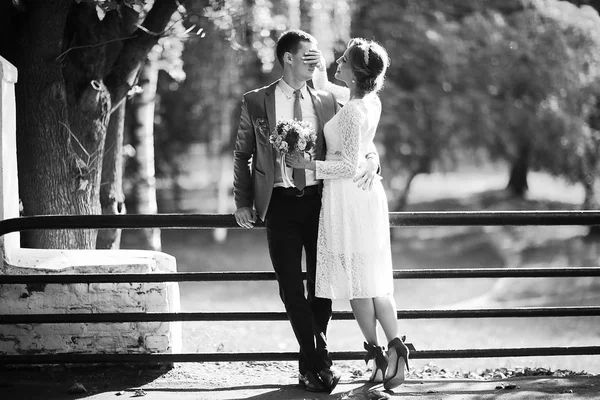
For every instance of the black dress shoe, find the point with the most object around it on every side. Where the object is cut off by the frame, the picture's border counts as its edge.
(329, 377)
(311, 382)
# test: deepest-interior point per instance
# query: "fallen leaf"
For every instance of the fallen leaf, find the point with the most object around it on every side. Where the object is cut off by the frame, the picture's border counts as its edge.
(77, 388)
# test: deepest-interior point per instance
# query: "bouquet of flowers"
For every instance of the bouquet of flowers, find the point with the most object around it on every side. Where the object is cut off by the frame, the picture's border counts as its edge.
(293, 136)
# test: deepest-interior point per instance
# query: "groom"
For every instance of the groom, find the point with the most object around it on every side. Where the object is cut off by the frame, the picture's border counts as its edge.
(289, 202)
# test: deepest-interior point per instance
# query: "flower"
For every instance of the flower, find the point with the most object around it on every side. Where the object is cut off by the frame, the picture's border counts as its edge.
(301, 144)
(293, 135)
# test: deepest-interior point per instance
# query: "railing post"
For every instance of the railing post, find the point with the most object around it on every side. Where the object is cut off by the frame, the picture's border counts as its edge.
(9, 185)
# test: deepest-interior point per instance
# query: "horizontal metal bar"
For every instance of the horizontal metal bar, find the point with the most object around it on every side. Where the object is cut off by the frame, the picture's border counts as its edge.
(129, 278)
(525, 312)
(70, 358)
(495, 218)
(270, 276)
(209, 221)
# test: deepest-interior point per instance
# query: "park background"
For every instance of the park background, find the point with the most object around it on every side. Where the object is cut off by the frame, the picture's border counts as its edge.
(488, 105)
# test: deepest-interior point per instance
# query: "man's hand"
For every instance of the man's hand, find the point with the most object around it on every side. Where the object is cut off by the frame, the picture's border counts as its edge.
(367, 175)
(245, 217)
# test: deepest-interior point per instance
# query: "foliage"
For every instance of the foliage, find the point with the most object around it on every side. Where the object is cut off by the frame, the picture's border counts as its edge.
(570, 114)
(104, 6)
(234, 53)
(537, 67)
(514, 78)
(77, 61)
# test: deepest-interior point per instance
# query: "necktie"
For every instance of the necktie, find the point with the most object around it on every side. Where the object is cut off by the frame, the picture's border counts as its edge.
(298, 174)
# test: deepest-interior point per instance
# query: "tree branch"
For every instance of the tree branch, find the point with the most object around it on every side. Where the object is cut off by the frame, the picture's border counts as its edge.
(134, 52)
(64, 53)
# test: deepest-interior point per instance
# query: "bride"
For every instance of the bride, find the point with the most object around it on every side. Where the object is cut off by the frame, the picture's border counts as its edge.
(354, 258)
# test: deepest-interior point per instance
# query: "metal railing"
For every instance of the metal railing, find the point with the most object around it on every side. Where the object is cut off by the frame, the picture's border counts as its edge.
(209, 221)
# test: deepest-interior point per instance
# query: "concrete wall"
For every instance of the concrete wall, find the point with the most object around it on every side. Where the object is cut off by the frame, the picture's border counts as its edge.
(145, 337)
(9, 199)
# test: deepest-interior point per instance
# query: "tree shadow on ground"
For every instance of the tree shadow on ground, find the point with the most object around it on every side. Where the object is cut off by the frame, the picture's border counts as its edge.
(367, 391)
(74, 382)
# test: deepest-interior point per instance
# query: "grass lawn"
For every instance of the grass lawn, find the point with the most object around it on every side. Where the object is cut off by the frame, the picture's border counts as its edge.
(425, 247)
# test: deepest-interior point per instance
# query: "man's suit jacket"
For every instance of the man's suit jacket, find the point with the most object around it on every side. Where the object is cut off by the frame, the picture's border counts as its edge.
(253, 157)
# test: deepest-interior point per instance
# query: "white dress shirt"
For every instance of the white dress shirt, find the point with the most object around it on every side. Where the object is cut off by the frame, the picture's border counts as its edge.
(284, 109)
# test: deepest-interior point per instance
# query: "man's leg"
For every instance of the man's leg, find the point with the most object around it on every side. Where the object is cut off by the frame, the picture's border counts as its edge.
(321, 307)
(284, 223)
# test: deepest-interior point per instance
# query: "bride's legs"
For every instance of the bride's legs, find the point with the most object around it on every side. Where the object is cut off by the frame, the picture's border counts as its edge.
(385, 311)
(364, 312)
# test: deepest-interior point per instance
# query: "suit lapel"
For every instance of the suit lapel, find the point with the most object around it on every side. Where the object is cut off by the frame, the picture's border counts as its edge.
(318, 105)
(270, 105)
(270, 111)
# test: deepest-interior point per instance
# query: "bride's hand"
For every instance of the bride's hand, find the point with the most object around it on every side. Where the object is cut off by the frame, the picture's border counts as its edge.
(314, 57)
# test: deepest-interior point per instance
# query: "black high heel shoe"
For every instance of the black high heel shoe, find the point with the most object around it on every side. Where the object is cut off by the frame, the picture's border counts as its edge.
(380, 362)
(397, 352)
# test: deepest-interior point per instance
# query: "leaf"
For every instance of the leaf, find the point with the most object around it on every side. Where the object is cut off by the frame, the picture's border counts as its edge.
(77, 388)
(100, 11)
(83, 184)
(136, 89)
(137, 5)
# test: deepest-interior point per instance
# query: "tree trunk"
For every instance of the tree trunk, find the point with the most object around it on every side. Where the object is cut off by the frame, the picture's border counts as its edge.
(144, 190)
(517, 183)
(223, 186)
(112, 198)
(60, 129)
(403, 200)
(591, 202)
(306, 15)
(72, 69)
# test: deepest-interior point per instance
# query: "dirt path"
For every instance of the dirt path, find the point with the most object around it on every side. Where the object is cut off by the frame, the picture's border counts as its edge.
(277, 380)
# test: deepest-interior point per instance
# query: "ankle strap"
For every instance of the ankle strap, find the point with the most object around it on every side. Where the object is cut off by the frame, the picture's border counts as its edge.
(372, 351)
(397, 340)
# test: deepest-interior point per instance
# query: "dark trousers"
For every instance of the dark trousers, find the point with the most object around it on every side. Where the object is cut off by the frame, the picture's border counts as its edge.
(292, 224)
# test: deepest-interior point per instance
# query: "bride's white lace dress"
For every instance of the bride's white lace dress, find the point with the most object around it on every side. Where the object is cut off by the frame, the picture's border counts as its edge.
(353, 251)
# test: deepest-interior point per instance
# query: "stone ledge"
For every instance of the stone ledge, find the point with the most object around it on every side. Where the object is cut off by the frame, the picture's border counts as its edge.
(8, 72)
(141, 337)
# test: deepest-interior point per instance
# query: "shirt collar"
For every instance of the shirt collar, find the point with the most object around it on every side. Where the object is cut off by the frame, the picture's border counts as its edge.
(289, 91)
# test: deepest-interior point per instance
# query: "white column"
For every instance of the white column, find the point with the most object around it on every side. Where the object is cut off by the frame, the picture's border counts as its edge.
(9, 184)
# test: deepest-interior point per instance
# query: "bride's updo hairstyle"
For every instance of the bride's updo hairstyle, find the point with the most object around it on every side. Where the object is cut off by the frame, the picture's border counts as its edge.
(369, 61)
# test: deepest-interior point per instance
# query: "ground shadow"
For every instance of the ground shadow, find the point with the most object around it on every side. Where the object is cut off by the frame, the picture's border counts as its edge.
(62, 382)
(367, 391)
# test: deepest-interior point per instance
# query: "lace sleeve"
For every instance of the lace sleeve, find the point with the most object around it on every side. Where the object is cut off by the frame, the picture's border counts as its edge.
(350, 123)
(321, 82)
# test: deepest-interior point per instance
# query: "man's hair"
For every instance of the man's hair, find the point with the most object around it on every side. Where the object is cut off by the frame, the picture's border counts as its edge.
(290, 41)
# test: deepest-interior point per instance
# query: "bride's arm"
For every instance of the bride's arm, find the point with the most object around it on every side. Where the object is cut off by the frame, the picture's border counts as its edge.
(351, 120)
(321, 82)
